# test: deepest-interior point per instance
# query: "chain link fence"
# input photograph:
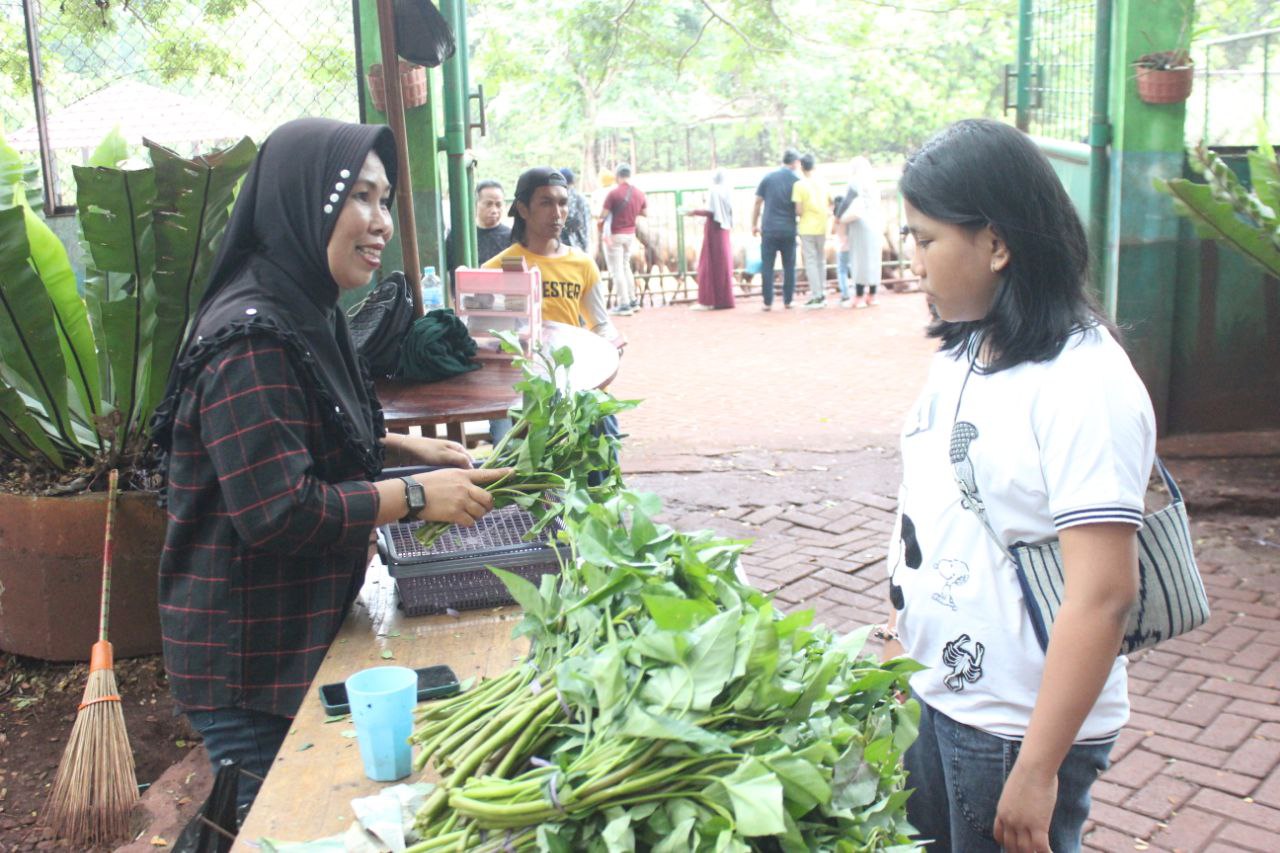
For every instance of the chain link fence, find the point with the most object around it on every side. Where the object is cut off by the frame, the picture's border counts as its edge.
(192, 75)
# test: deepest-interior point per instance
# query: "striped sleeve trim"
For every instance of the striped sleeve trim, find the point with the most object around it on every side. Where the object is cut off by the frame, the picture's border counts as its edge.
(1098, 515)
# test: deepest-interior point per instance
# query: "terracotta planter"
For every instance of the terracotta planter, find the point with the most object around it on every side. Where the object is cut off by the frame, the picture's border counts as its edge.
(1165, 85)
(51, 574)
(413, 86)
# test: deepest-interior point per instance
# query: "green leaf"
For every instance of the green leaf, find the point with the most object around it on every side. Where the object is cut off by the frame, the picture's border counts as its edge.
(21, 432)
(116, 211)
(75, 337)
(640, 723)
(1218, 220)
(111, 151)
(523, 591)
(29, 345)
(756, 797)
(618, 836)
(1264, 173)
(193, 204)
(677, 614)
(802, 782)
(386, 654)
(854, 781)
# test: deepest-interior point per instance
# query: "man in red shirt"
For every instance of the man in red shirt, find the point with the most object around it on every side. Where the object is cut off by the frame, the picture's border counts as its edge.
(618, 216)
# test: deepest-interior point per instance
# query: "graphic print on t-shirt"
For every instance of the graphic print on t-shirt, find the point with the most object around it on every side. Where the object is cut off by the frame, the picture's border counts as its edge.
(963, 434)
(965, 664)
(909, 553)
(954, 573)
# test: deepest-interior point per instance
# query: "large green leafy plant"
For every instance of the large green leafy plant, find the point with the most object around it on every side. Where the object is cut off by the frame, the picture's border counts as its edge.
(1223, 209)
(80, 375)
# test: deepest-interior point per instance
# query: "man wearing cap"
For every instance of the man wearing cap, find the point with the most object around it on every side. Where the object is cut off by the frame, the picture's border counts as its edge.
(777, 232)
(570, 279)
(575, 227)
(622, 206)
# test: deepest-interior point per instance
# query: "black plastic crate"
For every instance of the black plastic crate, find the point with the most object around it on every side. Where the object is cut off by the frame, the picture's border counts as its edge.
(453, 572)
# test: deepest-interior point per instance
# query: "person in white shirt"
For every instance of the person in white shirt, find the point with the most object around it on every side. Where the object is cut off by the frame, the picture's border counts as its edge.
(1031, 407)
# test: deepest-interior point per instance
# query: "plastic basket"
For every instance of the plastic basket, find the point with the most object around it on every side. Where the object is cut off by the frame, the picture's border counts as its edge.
(453, 572)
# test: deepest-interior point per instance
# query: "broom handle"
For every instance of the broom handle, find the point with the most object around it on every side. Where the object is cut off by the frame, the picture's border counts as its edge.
(113, 493)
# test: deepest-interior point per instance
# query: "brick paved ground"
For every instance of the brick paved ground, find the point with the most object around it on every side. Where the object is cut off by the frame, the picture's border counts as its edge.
(780, 427)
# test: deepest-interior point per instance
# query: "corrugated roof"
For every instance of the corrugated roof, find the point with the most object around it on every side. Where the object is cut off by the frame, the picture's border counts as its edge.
(138, 110)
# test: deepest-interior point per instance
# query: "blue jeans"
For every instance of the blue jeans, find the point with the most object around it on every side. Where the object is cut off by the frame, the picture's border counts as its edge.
(958, 773)
(773, 243)
(843, 271)
(250, 738)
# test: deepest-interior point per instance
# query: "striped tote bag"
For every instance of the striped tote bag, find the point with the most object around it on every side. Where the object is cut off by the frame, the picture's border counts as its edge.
(1171, 596)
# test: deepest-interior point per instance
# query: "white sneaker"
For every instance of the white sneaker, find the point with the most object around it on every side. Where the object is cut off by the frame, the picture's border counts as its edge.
(766, 307)
(621, 311)
(698, 306)
(846, 303)
(815, 303)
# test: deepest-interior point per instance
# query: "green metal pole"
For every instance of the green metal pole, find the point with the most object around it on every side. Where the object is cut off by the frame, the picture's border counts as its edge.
(1099, 141)
(1023, 109)
(472, 251)
(455, 141)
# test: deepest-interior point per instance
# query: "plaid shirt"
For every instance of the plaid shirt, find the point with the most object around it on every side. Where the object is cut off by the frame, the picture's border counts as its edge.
(269, 525)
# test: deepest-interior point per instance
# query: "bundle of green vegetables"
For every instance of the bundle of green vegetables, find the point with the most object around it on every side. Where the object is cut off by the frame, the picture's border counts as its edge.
(668, 706)
(555, 437)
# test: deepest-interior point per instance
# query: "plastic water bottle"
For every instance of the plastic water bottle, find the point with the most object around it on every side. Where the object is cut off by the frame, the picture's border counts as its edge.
(432, 291)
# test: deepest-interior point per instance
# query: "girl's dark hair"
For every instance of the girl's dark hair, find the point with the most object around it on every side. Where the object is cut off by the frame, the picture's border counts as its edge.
(979, 172)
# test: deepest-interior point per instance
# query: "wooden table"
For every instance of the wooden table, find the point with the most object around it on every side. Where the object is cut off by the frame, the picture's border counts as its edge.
(308, 793)
(488, 393)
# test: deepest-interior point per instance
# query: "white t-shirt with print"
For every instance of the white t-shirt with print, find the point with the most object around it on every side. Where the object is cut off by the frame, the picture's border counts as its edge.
(1049, 445)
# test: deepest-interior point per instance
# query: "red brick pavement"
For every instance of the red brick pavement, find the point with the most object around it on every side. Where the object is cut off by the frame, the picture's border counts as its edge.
(794, 379)
(780, 427)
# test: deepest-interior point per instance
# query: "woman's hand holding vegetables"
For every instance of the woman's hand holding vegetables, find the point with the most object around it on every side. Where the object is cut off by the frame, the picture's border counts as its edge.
(455, 496)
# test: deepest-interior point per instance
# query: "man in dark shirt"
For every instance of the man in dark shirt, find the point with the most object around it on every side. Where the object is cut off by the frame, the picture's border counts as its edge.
(778, 231)
(491, 235)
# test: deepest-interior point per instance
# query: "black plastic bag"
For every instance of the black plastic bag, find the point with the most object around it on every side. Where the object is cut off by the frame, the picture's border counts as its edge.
(201, 834)
(380, 322)
(422, 34)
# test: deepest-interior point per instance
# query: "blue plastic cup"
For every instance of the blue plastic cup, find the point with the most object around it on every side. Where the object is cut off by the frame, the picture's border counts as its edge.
(382, 700)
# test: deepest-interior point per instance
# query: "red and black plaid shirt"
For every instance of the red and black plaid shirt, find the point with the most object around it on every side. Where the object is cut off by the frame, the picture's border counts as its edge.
(269, 524)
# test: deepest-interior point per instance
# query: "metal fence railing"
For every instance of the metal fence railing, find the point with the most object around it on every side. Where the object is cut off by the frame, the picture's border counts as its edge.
(1056, 87)
(1237, 84)
(665, 258)
(189, 74)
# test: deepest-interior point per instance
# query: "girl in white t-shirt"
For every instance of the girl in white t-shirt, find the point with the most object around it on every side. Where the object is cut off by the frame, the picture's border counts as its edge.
(1033, 405)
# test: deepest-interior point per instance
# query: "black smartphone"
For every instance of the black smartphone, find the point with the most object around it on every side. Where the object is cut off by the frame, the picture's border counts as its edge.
(434, 682)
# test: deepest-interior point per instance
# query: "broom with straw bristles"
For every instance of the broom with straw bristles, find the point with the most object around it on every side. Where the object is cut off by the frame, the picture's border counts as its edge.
(96, 788)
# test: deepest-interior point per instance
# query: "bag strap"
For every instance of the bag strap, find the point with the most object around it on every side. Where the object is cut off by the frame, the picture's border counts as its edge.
(975, 505)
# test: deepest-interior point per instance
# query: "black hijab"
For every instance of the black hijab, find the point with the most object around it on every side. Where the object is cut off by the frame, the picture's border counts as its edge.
(271, 276)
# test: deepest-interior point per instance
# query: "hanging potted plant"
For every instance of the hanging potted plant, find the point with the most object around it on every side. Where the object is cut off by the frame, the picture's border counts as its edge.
(413, 86)
(80, 375)
(1165, 76)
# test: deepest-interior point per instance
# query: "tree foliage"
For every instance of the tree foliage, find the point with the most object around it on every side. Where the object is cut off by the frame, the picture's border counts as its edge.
(831, 76)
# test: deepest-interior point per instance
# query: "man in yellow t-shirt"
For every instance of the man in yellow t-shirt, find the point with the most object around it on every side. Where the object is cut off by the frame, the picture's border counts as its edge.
(570, 279)
(813, 207)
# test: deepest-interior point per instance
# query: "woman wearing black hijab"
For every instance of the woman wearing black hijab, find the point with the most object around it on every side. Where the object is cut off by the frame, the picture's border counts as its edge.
(274, 440)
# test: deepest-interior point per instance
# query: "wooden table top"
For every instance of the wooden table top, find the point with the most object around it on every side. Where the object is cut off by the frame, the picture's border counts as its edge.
(307, 795)
(488, 393)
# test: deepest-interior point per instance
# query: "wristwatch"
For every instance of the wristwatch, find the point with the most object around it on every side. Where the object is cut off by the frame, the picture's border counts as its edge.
(416, 496)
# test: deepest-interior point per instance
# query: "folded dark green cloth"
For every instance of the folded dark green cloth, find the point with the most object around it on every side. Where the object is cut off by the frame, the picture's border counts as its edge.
(436, 347)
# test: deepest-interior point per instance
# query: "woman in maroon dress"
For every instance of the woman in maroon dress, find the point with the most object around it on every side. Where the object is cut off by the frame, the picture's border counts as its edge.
(715, 262)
